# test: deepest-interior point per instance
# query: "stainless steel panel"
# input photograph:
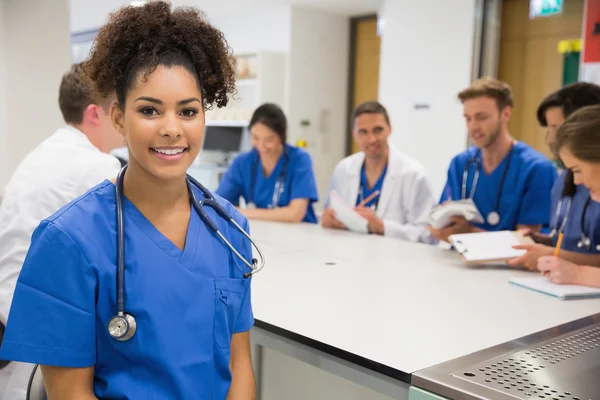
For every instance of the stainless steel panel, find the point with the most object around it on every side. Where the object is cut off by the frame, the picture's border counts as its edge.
(557, 364)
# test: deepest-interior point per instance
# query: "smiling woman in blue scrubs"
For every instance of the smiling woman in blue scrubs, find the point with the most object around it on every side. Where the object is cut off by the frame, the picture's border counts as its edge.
(275, 179)
(573, 212)
(182, 284)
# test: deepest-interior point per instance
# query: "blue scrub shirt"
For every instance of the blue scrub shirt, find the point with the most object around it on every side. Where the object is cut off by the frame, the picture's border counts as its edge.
(366, 191)
(187, 304)
(525, 197)
(299, 182)
(572, 229)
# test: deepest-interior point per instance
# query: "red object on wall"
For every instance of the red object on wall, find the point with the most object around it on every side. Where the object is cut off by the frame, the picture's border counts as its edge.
(591, 32)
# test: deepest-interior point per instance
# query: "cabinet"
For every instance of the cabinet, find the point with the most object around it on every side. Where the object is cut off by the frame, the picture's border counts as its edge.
(260, 78)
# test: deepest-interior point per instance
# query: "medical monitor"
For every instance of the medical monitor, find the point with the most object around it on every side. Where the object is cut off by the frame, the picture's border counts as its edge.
(226, 139)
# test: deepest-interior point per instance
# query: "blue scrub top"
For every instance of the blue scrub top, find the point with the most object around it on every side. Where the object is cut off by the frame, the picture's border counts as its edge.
(299, 182)
(525, 197)
(366, 192)
(572, 229)
(187, 304)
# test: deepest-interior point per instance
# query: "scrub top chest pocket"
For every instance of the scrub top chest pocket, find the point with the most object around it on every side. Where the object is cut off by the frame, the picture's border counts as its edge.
(229, 293)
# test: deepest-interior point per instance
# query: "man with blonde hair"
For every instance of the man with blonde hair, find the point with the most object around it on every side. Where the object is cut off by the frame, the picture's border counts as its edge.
(509, 182)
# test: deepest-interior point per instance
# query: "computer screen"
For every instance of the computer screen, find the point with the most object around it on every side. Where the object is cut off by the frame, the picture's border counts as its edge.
(223, 138)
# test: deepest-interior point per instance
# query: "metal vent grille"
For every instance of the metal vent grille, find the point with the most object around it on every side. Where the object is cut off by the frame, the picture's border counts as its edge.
(541, 372)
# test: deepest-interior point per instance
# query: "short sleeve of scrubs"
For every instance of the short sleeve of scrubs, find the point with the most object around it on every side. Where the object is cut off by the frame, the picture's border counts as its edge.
(535, 206)
(231, 186)
(447, 193)
(52, 320)
(304, 185)
(245, 319)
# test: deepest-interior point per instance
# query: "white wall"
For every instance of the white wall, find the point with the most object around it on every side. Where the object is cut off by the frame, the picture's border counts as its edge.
(318, 87)
(36, 54)
(3, 132)
(262, 29)
(426, 54)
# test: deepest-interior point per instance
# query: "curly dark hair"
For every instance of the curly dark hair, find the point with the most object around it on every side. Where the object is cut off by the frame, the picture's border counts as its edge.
(137, 39)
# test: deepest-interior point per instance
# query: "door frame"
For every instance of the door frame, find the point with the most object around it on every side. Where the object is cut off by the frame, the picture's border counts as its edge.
(352, 54)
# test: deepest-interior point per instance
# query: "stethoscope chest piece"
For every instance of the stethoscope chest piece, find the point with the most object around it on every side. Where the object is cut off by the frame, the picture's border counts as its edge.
(493, 218)
(122, 327)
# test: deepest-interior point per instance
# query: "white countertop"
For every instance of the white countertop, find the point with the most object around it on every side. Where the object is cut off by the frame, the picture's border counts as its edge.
(404, 305)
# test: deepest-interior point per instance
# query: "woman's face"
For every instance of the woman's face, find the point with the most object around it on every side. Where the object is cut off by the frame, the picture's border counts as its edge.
(266, 141)
(554, 119)
(162, 121)
(585, 173)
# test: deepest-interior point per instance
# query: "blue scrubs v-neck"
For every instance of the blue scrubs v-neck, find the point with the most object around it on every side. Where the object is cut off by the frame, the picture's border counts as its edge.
(366, 192)
(183, 257)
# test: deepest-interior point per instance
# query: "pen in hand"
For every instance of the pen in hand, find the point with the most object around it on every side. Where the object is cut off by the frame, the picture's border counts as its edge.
(368, 199)
(556, 250)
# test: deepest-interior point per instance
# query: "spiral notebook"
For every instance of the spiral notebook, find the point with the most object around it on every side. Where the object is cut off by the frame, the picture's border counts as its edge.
(543, 285)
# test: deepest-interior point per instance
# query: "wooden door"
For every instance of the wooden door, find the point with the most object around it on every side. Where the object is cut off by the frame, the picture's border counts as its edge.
(366, 47)
(530, 62)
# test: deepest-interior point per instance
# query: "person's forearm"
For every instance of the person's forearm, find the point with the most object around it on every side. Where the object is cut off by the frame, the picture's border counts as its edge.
(581, 258)
(283, 214)
(243, 385)
(542, 239)
(588, 276)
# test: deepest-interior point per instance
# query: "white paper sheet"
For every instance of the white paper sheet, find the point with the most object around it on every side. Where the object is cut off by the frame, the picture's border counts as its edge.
(346, 214)
(486, 246)
(440, 215)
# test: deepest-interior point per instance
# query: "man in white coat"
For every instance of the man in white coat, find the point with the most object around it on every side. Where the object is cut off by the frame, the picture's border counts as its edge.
(61, 168)
(389, 188)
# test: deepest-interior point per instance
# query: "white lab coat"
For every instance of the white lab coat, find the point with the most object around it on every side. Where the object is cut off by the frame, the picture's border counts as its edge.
(406, 197)
(61, 168)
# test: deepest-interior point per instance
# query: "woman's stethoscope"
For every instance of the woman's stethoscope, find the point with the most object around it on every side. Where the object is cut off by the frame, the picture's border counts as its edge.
(493, 218)
(585, 242)
(279, 184)
(123, 326)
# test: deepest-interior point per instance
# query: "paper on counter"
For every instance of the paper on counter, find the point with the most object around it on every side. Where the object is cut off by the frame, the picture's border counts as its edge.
(346, 214)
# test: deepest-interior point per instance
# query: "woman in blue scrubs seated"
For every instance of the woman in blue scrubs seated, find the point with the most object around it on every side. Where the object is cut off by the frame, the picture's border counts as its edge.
(573, 213)
(275, 179)
(182, 284)
(509, 182)
(578, 145)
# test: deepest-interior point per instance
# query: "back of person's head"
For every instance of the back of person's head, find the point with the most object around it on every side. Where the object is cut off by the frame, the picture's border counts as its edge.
(570, 99)
(272, 116)
(489, 87)
(74, 95)
(580, 135)
(370, 107)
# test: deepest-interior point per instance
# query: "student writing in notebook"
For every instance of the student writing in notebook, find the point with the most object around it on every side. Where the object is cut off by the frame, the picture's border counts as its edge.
(389, 188)
(509, 182)
(573, 212)
(578, 146)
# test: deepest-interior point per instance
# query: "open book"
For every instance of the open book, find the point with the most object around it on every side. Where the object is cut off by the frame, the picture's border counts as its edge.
(440, 216)
(544, 285)
(346, 214)
(488, 247)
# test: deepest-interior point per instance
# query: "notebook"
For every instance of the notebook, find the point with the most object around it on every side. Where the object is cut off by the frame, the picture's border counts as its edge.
(440, 216)
(563, 292)
(488, 247)
(346, 214)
